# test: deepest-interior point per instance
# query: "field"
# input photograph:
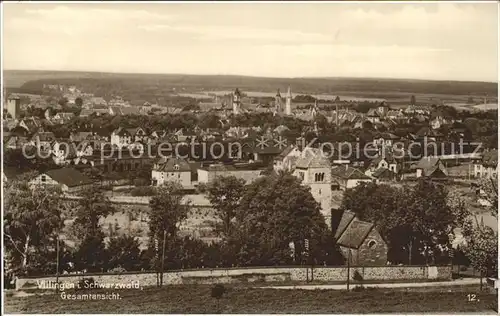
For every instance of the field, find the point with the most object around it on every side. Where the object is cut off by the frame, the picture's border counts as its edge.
(197, 299)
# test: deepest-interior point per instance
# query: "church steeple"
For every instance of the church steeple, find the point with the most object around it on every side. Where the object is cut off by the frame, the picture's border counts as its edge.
(288, 105)
(277, 101)
(236, 102)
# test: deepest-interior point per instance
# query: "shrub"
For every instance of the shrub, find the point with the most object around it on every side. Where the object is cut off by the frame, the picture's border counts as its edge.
(143, 191)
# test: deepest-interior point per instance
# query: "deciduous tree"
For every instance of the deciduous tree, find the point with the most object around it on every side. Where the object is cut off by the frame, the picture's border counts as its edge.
(224, 194)
(32, 220)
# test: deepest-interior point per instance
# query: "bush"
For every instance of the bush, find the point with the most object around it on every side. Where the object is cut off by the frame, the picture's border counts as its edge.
(359, 288)
(143, 191)
(140, 182)
(124, 253)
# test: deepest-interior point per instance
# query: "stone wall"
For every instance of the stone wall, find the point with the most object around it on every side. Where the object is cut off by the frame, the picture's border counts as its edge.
(248, 275)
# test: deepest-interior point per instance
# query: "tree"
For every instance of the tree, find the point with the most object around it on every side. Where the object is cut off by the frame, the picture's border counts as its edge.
(124, 252)
(489, 188)
(92, 207)
(32, 222)
(224, 193)
(413, 100)
(276, 211)
(166, 210)
(90, 253)
(415, 221)
(63, 101)
(481, 248)
(79, 102)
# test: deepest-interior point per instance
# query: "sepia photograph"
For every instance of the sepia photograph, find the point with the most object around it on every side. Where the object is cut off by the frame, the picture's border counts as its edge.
(266, 157)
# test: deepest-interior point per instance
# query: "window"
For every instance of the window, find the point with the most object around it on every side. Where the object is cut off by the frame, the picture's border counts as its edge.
(44, 178)
(319, 191)
(372, 244)
(319, 177)
(176, 167)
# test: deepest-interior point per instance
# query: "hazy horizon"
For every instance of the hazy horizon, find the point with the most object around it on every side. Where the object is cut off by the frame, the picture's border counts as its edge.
(424, 41)
(246, 76)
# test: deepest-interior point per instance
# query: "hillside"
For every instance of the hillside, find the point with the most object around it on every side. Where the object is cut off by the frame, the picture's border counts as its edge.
(19, 78)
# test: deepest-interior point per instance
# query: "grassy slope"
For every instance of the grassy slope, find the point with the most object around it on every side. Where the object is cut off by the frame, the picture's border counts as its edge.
(196, 299)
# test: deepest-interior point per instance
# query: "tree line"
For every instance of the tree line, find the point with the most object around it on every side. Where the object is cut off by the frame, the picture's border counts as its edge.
(272, 221)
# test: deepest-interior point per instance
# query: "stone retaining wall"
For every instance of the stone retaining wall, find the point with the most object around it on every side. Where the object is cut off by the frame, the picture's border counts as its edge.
(327, 274)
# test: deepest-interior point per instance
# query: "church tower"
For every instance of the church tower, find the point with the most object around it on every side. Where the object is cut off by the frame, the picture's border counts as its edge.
(315, 109)
(236, 102)
(277, 102)
(314, 170)
(288, 106)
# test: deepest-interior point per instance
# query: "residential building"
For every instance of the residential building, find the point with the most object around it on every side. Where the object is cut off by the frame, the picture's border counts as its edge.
(121, 137)
(348, 177)
(386, 139)
(169, 169)
(382, 162)
(487, 167)
(69, 180)
(287, 158)
(431, 167)
(247, 172)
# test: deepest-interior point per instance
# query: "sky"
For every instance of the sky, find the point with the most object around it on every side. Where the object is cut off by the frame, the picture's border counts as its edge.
(435, 41)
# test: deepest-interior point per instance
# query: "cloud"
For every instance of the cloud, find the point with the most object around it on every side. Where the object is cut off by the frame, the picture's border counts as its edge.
(442, 16)
(71, 19)
(221, 33)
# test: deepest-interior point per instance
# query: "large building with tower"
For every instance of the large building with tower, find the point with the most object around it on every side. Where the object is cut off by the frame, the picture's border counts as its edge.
(13, 106)
(314, 170)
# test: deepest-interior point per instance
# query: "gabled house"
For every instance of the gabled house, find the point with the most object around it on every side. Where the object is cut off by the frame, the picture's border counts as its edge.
(170, 169)
(384, 174)
(373, 116)
(487, 167)
(430, 134)
(360, 242)
(63, 117)
(431, 167)
(348, 177)
(286, 159)
(69, 180)
(382, 162)
(386, 139)
(138, 134)
(121, 137)
(31, 124)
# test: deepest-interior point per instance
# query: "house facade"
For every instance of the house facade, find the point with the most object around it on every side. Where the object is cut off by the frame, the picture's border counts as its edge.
(170, 169)
(348, 177)
(487, 167)
(69, 180)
